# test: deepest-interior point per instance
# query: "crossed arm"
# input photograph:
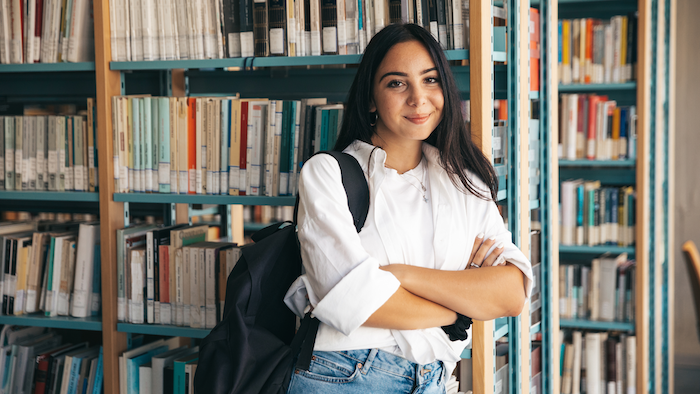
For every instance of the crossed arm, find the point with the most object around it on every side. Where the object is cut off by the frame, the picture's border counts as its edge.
(431, 298)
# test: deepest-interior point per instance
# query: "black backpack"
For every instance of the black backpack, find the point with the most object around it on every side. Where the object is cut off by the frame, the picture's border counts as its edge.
(253, 347)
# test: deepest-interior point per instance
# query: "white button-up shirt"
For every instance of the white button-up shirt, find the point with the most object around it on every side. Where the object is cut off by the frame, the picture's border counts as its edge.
(342, 278)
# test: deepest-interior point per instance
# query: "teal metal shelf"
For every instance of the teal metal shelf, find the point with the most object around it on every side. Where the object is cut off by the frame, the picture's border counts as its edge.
(50, 196)
(535, 328)
(202, 199)
(599, 249)
(46, 67)
(597, 163)
(500, 328)
(158, 329)
(597, 325)
(39, 320)
(467, 353)
(534, 204)
(273, 61)
(253, 226)
(597, 87)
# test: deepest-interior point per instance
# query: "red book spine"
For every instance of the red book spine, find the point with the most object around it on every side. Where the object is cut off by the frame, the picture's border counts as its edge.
(42, 370)
(164, 275)
(38, 27)
(244, 145)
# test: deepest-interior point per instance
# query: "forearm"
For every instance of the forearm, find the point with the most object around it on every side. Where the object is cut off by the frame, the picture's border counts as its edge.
(482, 294)
(407, 311)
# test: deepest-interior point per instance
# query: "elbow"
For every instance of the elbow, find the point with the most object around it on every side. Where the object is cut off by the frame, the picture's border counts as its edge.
(516, 304)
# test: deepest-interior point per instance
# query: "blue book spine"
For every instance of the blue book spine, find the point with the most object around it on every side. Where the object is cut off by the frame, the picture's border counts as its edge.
(74, 374)
(133, 364)
(97, 388)
(579, 210)
(164, 145)
(559, 32)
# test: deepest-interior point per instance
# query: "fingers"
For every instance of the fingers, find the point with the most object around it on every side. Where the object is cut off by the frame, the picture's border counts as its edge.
(477, 242)
(493, 258)
(480, 254)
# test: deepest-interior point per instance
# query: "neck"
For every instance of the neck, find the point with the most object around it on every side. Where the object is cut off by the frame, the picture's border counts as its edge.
(403, 156)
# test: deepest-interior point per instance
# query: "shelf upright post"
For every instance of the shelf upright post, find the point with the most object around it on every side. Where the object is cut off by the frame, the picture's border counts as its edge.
(670, 153)
(518, 196)
(481, 101)
(643, 216)
(549, 195)
(109, 83)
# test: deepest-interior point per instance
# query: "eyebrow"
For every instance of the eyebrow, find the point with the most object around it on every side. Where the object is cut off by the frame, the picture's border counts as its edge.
(400, 74)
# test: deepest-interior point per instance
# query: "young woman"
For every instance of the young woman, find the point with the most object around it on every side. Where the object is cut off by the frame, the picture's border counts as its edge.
(433, 249)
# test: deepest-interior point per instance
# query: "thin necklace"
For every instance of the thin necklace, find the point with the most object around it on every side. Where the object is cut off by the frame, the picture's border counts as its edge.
(422, 188)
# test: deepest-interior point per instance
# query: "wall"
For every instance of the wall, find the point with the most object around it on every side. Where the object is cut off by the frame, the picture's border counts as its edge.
(687, 200)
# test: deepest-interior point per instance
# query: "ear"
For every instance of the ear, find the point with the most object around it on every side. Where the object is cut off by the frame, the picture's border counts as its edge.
(372, 107)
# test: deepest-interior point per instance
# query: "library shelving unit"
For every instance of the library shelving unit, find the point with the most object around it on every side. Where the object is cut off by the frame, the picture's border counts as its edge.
(55, 83)
(649, 173)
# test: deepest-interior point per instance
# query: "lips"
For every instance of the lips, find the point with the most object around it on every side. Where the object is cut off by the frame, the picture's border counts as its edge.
(418, 119)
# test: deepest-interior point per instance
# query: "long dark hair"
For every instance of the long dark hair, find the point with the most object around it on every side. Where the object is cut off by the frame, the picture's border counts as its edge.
(451, 137)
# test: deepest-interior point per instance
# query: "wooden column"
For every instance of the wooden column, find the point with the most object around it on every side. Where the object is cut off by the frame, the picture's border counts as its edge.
(524, 169)
(642, 190)
(671, 190)
(111, 213)
(481, 99)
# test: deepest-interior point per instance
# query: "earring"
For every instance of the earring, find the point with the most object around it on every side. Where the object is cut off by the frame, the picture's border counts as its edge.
(373, 118)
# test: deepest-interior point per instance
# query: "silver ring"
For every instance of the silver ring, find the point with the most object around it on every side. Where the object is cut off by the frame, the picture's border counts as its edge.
(474, 265)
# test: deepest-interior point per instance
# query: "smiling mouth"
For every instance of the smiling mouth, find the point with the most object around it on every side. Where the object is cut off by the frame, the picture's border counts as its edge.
(418, 119)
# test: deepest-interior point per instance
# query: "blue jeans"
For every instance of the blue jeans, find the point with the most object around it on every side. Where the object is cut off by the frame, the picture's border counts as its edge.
(367, 371)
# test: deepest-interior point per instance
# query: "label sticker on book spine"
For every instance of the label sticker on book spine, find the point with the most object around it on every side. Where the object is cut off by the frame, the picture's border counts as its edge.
(277, 41)
(330, 39)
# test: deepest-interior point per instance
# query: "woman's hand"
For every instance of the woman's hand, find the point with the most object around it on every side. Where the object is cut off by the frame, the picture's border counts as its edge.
(481, 247)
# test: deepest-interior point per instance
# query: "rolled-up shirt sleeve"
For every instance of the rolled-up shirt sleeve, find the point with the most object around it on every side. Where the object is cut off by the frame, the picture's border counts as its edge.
(343, 282)
(495, 228)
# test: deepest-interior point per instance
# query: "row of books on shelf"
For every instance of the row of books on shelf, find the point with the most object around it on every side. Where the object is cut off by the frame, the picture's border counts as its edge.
(598, 363)
(55, 153)
(158, 367)
(595, 128)
(144, 30)
(603, 291)
(172, 275)
(50, 267)
(49, 31)
(598, 51)
(595, 215)
(37, 360)
(218, 145)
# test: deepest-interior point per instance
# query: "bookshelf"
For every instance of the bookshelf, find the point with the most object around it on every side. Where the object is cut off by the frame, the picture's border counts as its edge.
(652, 178)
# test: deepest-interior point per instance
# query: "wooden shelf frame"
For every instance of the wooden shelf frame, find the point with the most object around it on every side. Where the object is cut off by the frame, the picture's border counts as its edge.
(654, 87)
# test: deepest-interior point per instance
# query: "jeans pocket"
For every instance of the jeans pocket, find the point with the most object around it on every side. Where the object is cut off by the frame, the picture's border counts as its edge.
(332, 368)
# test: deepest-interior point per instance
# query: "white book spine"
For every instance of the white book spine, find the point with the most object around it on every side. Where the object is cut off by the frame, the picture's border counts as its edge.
(210, 288)
(81, 305)
(150, 282)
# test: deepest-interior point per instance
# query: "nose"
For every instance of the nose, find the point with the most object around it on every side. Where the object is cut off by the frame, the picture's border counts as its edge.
(417, 95)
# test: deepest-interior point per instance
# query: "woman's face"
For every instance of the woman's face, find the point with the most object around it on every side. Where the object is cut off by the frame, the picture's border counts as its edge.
(407, 95)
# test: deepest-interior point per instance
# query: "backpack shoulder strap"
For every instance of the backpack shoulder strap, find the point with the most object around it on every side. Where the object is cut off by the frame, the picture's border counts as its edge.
(355, 186)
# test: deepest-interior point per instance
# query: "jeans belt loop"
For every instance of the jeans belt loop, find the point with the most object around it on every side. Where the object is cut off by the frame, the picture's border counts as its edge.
(369, 360)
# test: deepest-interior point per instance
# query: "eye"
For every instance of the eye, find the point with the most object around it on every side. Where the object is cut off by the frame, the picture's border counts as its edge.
(395, 84)
(432, 80)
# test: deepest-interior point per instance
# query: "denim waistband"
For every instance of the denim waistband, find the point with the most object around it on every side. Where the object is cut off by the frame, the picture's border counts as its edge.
(393, 364)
